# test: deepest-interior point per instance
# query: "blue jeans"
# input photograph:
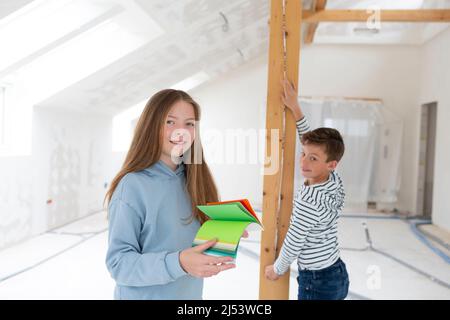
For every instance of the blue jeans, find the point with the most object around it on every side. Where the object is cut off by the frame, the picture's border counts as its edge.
(330, 283)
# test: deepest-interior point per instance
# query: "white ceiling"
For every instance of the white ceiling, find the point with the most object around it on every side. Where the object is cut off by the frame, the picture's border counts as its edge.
(388, 33)
(9, 6)
(196, 38)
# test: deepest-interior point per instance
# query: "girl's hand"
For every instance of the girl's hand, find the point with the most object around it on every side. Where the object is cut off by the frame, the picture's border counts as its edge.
(289, 98)
(200, 265)
(270, 273)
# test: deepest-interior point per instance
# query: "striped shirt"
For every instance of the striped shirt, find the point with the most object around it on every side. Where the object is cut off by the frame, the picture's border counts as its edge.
(312, 234)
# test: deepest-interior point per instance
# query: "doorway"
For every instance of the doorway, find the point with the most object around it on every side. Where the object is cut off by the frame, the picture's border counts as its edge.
(427, 149)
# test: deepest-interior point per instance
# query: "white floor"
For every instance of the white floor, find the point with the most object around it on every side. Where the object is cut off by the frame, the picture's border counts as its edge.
(68, 263)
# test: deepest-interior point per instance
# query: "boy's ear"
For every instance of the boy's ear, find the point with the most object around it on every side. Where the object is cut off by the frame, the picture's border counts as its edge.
(332, 165)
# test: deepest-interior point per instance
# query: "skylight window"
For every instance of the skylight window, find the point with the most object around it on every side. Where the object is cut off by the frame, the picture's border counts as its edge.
(76, 57)
(192, 82)
(41, 23)
(49, 45)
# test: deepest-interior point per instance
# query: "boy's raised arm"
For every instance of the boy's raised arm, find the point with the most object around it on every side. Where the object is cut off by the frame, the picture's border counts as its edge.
(289, 98)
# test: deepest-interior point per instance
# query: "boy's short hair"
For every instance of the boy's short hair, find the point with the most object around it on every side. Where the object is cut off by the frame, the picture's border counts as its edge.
(329, 138)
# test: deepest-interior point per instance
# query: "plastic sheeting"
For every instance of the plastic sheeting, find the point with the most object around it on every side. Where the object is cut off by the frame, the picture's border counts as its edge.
(370, 167)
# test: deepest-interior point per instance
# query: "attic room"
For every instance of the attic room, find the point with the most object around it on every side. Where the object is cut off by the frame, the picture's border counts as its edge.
(77, 76)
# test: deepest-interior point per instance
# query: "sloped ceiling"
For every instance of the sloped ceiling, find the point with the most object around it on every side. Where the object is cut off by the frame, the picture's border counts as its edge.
(387, 33)
(210, 36)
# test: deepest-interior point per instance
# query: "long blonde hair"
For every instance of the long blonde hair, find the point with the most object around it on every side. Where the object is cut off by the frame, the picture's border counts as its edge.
(146, 149)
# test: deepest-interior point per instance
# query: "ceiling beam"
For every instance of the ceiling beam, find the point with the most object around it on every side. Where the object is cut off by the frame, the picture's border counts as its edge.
(421, 15)
(319, 5)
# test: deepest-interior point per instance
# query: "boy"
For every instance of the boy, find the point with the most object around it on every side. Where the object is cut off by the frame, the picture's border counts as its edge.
(312, 234)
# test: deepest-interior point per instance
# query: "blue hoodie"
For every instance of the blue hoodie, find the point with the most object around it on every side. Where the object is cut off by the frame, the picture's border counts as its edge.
(148, 227)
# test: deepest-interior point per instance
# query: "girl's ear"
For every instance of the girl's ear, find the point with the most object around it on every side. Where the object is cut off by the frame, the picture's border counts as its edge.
(332, 165)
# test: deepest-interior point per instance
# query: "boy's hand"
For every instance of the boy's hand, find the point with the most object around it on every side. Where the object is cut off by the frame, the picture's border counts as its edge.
(270, 273)
(245, 234)
(289, 98)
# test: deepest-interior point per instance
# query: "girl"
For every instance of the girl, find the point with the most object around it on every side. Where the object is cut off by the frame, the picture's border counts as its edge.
(152, 202)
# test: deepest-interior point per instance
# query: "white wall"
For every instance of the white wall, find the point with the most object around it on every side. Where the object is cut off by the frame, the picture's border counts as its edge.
(69, 164)
(390, 73)
(386, 72)
(235, 102)
(435, 86)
